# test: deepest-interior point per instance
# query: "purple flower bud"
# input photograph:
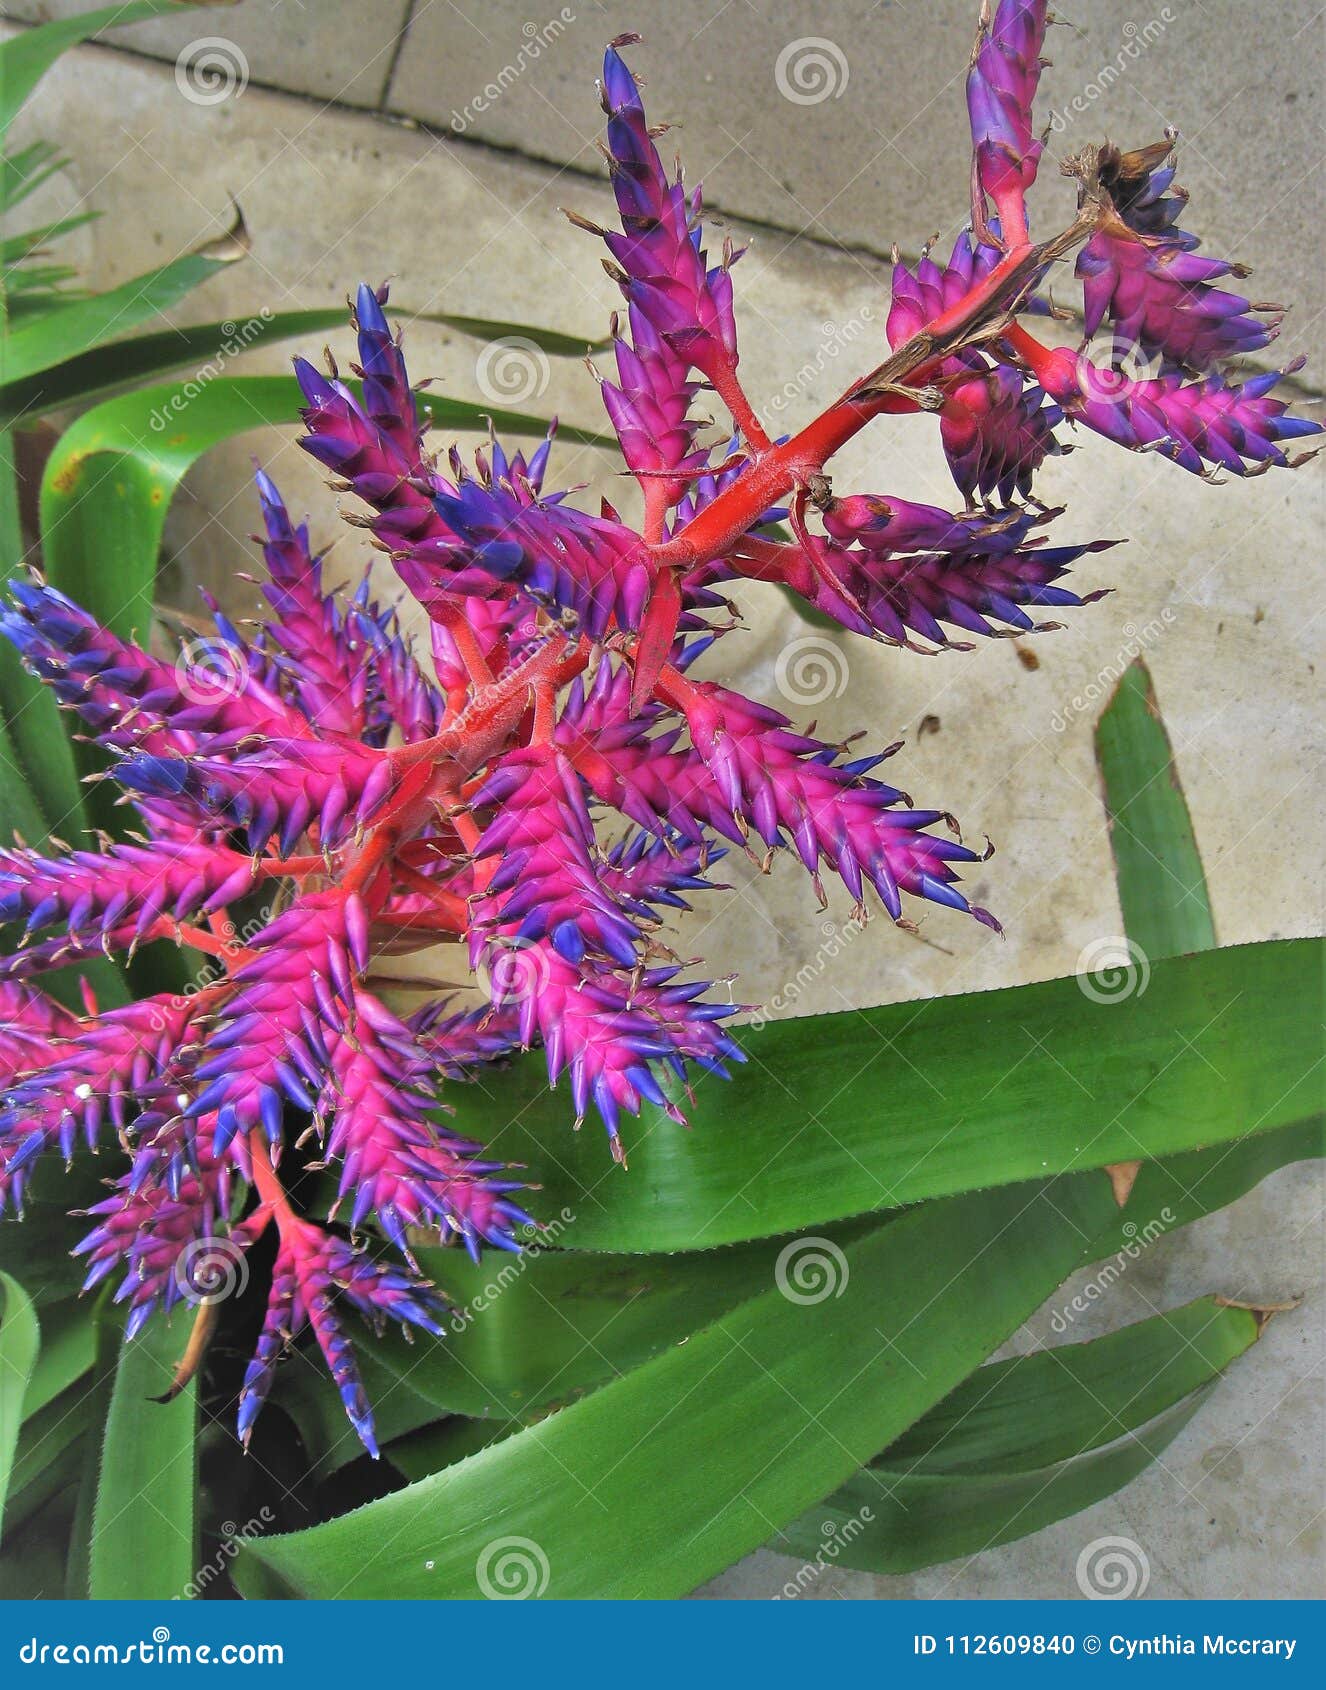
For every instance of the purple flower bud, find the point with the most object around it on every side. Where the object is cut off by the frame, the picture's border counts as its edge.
(1196, 423)
(1001, 86)
(664, 273)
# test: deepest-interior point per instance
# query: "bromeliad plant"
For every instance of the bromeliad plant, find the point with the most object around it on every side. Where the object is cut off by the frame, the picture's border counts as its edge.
(311, 800)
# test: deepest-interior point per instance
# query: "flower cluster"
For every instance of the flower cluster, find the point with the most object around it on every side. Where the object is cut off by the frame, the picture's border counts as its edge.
(311, 797)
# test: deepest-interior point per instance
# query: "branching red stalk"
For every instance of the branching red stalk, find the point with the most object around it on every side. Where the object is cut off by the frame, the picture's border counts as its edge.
(775, 471)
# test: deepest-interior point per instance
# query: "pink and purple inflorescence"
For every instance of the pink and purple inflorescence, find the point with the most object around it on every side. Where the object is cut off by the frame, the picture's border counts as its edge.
(555, 782)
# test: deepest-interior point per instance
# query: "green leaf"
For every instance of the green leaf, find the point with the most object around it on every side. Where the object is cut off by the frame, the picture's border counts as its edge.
(1162, 886)
(126, 362)
(75, 326)
(68, 1350)
(39, 790)
(18, 802)
(839, 1114)
(653, 1483)
(108, 1327)
(15, 248)
(888, 1520)
(23, 172)
(329, 1440)
(1166, 906)
(535, 1332)
(1054, 1404)
(111, 478)
(527, 1334)
(25, 58)
(38, 1246)
(549, 1326)
(144, 1522)
(11, 529)
(491, 328)
(32, 1564)
(1023, 1443)
(61, 1405)
(20, 1339)
(113, 474)
(39, 787)
(44, 282)
(1179, 1189)
(50, 1453)
(442, 1444)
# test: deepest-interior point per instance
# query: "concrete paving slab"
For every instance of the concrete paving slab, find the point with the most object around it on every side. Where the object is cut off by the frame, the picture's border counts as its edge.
(340, 50)
(846, 120)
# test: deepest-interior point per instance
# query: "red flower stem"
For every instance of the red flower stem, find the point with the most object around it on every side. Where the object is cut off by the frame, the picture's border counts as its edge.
(1039, 358)
(763, 560)
(447, 904)
(199, 939)
(657, 497)
(468, 648)
(796, 518)
(730, 391)
(775, 472)
(470, 834)
(270, 1190)
(676, 690)
(365, 866)
(292, 867)
(495, 711)
(1012, 209)
(545, 698)
(469, 831)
